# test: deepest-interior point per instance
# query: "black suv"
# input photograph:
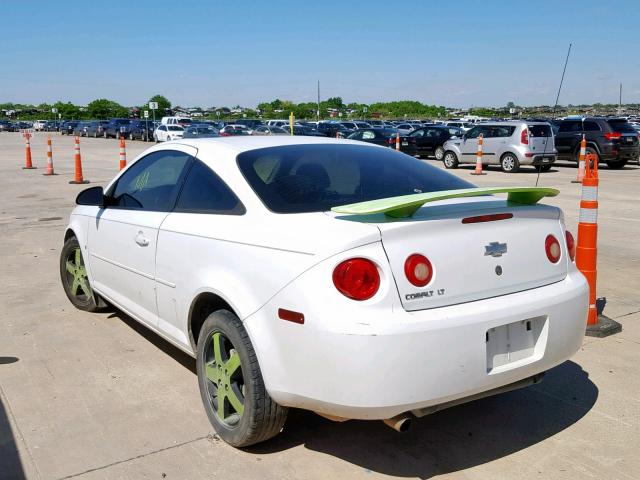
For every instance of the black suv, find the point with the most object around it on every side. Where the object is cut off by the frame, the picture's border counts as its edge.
(116, 128)
(613, 140)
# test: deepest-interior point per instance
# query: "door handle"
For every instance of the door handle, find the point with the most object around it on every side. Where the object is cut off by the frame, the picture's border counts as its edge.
(141, 239)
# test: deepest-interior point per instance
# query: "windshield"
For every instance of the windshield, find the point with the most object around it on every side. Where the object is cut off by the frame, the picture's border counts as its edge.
(175, 128)
(621, 126)
(315, 178)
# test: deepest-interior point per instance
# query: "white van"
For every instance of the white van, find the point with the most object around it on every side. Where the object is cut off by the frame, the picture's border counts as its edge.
(182, 121)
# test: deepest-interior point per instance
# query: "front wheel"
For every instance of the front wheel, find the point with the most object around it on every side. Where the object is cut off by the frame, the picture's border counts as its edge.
(509, 163)
(439, 153)
(231, 385)
(73, 275)
(616, 165)
(450, 160)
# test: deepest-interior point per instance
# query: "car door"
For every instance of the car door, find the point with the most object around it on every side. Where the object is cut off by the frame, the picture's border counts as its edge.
(496, 142)
(469, 146)
(122, 240)
(189, 255)
(569, 134)
(428, 142)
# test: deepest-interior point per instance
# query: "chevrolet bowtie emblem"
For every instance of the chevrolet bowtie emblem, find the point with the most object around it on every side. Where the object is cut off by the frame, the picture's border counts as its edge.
(495, 249)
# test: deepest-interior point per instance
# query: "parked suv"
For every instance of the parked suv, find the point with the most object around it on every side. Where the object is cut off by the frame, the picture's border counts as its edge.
(116, 128)
(613, 140)
(508, 144)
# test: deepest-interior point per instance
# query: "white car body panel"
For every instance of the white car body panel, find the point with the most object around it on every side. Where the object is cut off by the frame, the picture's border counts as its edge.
(370, 359)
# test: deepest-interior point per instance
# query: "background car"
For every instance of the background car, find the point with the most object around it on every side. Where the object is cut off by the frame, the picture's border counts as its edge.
(613, 140)
(266, 130)
(429, 141)
(140, 130)
(508, 144)
(165, 133)
(80, 129)
(379, 136)
(307, 130)
(199, 130)
(95, 128)
(67, 128)
(334, 129)
(234, 129)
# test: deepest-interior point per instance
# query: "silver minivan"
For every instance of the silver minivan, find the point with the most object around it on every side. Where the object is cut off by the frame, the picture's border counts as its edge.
(508, 144)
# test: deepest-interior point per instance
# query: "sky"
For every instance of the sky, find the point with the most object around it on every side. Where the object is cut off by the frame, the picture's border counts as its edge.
(459, 53)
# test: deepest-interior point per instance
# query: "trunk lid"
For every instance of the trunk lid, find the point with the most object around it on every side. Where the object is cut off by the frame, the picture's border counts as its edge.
(473, 261)
(541, 138)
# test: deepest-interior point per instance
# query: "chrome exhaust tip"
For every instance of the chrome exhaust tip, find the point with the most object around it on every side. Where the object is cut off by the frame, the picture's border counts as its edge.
(400, 423)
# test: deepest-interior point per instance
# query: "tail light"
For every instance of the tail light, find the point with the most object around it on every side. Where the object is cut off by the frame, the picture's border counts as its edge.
(524, 137)
(357, 278)
(612, 135)
(552, 248)
(418, 270)
(571, 245)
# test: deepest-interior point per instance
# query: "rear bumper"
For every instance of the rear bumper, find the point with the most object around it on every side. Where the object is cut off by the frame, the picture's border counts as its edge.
(411, 360)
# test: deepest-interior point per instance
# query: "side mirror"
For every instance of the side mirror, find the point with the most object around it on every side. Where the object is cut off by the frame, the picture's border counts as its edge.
(93, 196)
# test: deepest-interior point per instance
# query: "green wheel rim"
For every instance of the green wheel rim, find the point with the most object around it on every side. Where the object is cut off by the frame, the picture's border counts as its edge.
(77, 276)
(225, 382)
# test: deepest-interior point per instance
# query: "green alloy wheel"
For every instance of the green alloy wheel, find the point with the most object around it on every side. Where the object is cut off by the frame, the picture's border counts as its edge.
(231, 385)
(75, 281)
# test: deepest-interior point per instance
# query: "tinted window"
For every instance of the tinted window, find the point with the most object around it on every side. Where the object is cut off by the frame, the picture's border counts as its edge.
(474, 132)
(590, 126)
(541, 130)
(205, 192)
(571, 126)
(621, 126)
(151, 183)
(498, 131)
(314, 178)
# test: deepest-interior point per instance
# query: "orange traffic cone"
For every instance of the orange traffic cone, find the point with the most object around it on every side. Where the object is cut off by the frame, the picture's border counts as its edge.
(123, 153)
(78, 173)
(398, 141)
(583, 152)
(49, 158)
(28, 164)
(478, 170)
(587, 249)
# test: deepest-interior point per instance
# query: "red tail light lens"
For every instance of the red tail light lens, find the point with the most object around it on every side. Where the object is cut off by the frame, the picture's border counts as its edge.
(524, 137)
(571, 245)
(552, 247)
(418, 270)
(488, 218)
(357, 278)
(612, 135)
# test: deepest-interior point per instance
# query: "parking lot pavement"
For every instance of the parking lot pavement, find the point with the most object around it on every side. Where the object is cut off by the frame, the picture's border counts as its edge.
(97, 396)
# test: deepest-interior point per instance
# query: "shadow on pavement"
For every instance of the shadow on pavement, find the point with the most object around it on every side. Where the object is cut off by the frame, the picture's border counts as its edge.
(10, 464)
(451, 440)
(448, 441)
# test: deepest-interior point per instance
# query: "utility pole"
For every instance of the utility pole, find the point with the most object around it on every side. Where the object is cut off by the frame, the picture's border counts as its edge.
(620, 101)
(318, 111)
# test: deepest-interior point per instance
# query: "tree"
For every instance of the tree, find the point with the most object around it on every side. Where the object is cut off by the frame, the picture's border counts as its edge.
(103, 109)
(164, 105)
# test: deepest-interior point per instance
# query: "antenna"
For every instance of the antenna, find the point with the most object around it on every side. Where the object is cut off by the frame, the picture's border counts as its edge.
(566, 61)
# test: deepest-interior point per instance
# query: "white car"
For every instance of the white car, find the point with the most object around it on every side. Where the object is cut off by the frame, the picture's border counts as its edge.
(166, 133)
(305, 272)
(38, 125)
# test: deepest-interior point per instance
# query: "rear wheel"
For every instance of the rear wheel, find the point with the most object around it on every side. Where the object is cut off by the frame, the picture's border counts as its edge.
(509, 163)
(439, 153)
(616, 165)
(543, 168)
(73, 275)
(450, 160)
(231, 385)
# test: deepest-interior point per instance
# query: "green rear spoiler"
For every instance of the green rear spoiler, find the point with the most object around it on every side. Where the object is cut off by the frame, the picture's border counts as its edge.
(406, 205)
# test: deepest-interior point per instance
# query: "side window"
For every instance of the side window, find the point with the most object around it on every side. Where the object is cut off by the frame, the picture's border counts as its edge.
(474, 132)
(591, 126)
(502, 131)
(357, 135)
(368, 135)
(571, 126)
(151, 183)
(417, 133)
(205, 192)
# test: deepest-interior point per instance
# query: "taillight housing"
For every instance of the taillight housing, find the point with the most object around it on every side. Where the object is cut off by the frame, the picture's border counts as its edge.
(357, 278)
(612, 135)
(571, 245)
(418, 270)
(552, 248)
(524, 137)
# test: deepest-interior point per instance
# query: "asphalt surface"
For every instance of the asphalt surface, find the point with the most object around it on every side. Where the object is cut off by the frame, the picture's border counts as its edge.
(95, 396)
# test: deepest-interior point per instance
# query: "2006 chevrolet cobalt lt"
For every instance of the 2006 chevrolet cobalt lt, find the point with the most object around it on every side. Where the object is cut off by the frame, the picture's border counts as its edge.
(347, 279)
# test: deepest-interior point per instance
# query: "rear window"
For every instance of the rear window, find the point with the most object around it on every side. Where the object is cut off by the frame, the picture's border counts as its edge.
(175, 128)
(315, 178)
(621, 126)
(539, 130)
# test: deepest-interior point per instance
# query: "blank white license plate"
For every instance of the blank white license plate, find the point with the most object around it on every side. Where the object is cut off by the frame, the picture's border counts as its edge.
(512, 342)
(405, 143)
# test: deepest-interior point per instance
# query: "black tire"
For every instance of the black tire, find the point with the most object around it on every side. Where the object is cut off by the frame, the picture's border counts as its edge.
(74, 278)
(439, 152)
(509, 163)
(261, 418)
(543, 168)
(617, 164)
(450, 160)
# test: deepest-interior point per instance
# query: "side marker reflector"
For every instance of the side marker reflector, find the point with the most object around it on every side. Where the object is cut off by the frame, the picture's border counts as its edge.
(291, 316)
